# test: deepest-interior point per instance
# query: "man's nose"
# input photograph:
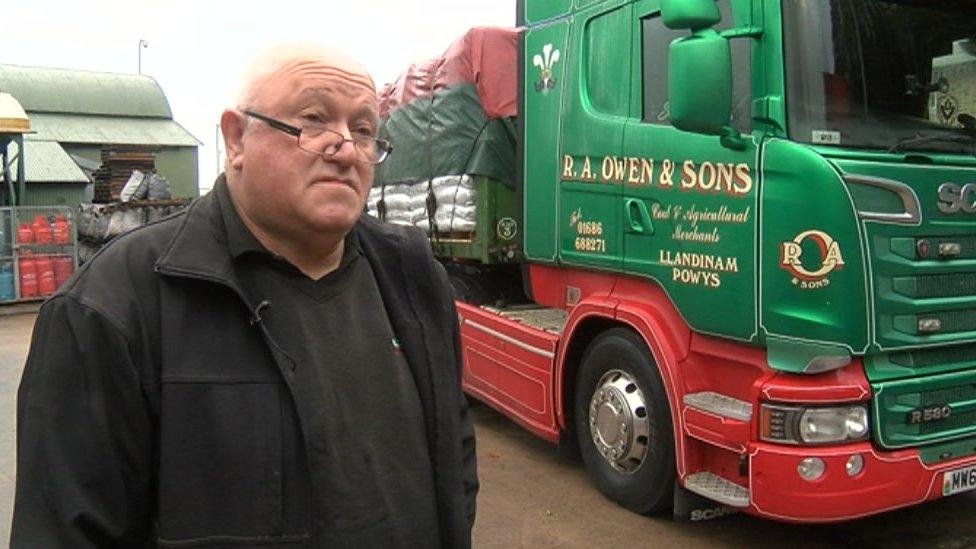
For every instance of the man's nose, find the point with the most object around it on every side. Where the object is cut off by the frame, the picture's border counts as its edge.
(347, 152)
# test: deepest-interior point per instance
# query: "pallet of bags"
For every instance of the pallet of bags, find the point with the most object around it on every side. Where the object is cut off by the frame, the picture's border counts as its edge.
(456, 200)
(454, 203)
(98, 224)
(145, 186)
(103, 222)
(392, 203)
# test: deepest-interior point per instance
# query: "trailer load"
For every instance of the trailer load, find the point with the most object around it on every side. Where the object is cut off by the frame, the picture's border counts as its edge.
(451, 120)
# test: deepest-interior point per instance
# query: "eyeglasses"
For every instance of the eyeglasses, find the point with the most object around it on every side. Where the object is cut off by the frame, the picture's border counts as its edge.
(319, 140)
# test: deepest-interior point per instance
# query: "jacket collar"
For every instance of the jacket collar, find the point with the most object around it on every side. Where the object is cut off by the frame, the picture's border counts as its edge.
(200, 249)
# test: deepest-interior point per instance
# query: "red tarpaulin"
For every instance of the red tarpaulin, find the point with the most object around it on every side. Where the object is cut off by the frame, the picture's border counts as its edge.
(484, 56)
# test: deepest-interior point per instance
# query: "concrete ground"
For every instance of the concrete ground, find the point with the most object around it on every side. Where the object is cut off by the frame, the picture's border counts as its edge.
(15, 332)
(533, 498)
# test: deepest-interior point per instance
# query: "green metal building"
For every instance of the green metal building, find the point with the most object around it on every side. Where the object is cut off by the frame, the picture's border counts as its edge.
(74, 113)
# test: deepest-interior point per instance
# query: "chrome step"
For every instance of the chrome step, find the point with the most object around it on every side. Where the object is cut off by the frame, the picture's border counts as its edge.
(549, 320)
(718, 489)
(721, 405)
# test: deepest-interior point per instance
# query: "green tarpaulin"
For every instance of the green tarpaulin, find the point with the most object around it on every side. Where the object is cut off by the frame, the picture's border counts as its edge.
(447, 133)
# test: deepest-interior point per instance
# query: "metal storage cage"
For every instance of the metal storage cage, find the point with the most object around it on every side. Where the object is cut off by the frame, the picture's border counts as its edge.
(38, 251)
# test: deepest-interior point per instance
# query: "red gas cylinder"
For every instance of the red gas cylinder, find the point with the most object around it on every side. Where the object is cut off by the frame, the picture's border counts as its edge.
(28, 277)
(64, 267)
(43, 234)
(62, 231)
(25, 235)
(45, 275)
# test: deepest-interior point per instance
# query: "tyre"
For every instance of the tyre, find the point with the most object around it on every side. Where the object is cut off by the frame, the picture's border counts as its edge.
(623, 423)
(468, 289)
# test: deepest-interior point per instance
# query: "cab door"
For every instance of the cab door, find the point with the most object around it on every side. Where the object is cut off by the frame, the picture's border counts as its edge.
(595, 112)
(689, 206)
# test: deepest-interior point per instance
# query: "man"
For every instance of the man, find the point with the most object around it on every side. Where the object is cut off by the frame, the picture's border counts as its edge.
(268, 368)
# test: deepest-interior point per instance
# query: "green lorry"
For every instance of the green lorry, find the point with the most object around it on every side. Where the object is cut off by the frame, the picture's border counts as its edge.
(746, 230)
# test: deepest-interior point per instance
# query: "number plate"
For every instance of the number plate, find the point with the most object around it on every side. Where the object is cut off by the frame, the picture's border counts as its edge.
(960, 480)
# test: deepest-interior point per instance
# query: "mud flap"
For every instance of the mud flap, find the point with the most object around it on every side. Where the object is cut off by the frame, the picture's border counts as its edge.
(690, 507)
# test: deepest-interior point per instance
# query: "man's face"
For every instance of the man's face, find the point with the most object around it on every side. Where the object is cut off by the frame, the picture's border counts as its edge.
(289, 191)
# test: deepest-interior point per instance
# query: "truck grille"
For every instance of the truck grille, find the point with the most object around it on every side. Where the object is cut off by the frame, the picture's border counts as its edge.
(909, 247)
(952, 395)
(896, 400)
(925, 289)
(963, 356)
(962, 320)
(947, 285)
(948, 322)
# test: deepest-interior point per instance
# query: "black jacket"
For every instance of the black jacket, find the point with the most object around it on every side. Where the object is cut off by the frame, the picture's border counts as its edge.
(155, 407)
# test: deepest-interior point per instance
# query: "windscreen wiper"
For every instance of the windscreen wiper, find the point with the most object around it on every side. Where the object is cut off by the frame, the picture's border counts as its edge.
(917, 139)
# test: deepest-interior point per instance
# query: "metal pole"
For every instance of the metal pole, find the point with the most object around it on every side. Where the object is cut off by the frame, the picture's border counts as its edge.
(21, 170)
(142, 44)
(5, 169)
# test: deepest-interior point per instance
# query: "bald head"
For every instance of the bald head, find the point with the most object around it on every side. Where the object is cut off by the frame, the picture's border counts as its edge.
(276, 60)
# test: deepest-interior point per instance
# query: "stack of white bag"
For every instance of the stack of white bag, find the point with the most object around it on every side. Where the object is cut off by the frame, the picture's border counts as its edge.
(406, 203)
(397, 198)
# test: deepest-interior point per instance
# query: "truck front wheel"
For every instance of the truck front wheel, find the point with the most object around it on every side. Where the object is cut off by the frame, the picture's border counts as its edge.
(623, 423)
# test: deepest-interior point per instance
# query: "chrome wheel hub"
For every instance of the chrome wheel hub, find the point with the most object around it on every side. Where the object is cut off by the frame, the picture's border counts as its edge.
(618, 421)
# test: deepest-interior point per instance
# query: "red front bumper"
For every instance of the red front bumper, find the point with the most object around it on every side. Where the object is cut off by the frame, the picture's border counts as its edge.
(889, 480)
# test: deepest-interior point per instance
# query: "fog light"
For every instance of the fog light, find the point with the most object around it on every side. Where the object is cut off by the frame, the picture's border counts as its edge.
(929, 325)
(949, 249)
(855, 464)
(811, 469)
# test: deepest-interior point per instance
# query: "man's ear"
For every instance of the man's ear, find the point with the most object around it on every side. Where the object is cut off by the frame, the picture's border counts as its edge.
(232, 126)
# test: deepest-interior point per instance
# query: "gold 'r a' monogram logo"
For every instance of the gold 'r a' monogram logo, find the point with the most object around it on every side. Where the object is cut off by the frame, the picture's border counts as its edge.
(830, 258)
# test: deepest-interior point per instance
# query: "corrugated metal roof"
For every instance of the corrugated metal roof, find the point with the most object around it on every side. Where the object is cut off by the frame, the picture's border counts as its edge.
(84, 163)
(76, 128)
(47, 162)
(43, 89)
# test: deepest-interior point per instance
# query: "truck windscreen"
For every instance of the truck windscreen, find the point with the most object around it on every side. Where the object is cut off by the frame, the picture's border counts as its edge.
(882, 75)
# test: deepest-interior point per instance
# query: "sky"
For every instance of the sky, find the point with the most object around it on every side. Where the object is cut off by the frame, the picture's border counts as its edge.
(198, 49)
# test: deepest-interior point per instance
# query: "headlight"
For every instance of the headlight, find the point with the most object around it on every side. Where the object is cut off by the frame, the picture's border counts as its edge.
(804, 425)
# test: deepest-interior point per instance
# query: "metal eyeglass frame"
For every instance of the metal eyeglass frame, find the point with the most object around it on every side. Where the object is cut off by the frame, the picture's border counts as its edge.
(383, 146)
